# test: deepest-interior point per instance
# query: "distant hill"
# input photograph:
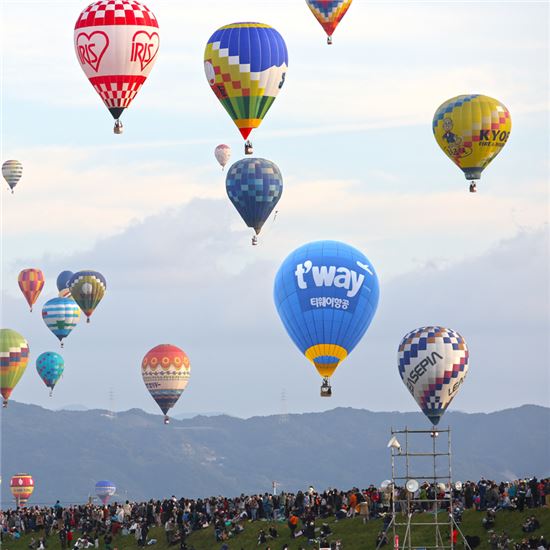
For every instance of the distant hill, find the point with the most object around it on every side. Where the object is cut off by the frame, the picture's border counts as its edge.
(67, 451)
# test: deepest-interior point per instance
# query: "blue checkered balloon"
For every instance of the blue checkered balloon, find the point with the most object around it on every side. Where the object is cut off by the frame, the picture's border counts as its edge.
(254, 186)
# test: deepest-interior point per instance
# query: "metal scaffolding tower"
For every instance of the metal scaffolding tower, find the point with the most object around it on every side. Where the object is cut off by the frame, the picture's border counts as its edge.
(415, 459)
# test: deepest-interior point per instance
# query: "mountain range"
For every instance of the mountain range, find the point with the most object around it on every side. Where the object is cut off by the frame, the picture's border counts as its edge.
(68, 451)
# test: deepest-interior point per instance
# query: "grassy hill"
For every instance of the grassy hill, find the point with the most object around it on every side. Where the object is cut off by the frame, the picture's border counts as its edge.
(352, 532)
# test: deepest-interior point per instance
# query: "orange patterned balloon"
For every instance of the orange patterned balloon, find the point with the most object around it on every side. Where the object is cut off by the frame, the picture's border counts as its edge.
(166, 370)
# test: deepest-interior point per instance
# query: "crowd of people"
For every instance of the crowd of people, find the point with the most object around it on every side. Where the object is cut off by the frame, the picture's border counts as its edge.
(303, 513)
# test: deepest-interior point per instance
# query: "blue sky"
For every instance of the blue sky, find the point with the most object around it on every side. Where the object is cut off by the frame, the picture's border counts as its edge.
(351, 132)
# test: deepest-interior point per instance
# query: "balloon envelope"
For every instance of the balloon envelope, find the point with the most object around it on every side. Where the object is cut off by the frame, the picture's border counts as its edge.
(245, 65)
(14, 356)
(166, 370)
(12, 170)
(329, 13)
(116, 44)
(63, 279)
(254, 186)
(31, 282)
(223, 154)
(61, 315)
(326, 293)
(105, 490)
(87, 289)
(22, 487)
(472, 130)
(50, 367)
(433, 363)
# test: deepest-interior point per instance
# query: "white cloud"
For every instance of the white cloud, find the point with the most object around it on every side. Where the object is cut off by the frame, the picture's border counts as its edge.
(187, 278)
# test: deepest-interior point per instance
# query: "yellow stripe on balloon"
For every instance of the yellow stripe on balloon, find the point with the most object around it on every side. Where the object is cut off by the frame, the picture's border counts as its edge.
(323, 350)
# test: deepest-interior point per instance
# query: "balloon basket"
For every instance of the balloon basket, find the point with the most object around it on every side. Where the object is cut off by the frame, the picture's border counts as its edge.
(4, 403)
(166, 420)
(118, 128)
(326, 389)
(329, 40)
(87, 320)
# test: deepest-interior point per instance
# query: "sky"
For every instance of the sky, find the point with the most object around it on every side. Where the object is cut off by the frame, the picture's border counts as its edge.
(351, 133)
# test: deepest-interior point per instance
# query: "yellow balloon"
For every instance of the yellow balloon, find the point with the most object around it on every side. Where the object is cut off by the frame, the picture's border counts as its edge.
(472, 130)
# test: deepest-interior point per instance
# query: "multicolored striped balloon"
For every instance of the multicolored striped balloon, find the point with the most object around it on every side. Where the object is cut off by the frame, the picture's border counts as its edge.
(50, 367)
(329, 13)
(87, 289)
(433, 363)
(31, 282)
(117, 43)
(165, 370)
(12, 170)
(22, 487)
(61, 315)
(245, 65)
(14, 356)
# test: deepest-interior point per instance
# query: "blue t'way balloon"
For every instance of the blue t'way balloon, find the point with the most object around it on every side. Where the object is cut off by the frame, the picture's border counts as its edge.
(326, 294)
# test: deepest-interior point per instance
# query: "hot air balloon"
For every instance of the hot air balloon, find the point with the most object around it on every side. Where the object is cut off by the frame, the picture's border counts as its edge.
(433, 363)
(22, 486)
(12, 170)
(61, 315)
(326, 293)
(87, 289)
(254, 186)
(31, 281)
(50, 367)
(472, 130)
(14, 356)
(329, 13)
(116, 43)
(63, 280)
(166, 370)
(245, 65)
(223, 154)
(105, 490)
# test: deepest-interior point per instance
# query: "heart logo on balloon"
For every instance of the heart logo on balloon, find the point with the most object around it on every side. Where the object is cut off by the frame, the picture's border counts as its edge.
(144, 48)
(91, 47)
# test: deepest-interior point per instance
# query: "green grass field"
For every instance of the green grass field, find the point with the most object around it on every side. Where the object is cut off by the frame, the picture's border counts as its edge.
(352, 532)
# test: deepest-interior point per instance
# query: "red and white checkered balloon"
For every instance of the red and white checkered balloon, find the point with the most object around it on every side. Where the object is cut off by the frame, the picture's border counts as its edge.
(116, 43)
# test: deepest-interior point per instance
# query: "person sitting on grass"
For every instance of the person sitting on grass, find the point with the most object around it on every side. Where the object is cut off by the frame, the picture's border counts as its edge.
(531, 524)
